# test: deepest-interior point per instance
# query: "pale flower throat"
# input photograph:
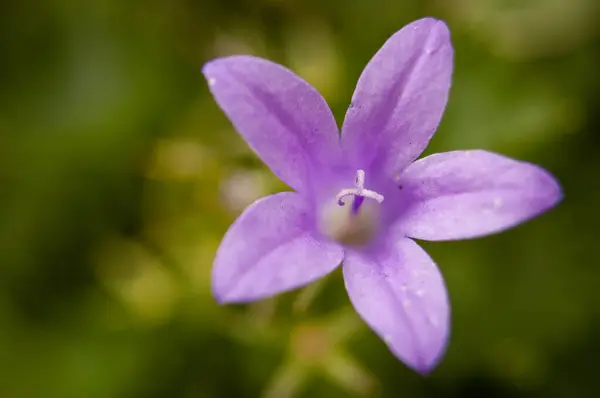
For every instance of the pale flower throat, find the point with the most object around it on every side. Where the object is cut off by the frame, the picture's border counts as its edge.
(353, 225)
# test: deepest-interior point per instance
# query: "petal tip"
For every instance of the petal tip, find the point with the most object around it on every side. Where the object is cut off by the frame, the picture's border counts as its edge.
(211, 69)
(219, 300)
(425, 363)
(431, 23)
(210, 64)
(219, 295)
(557, 197)
(224, 296)
(552, 190)
(557, 190)
(222, 286)
(425, 368)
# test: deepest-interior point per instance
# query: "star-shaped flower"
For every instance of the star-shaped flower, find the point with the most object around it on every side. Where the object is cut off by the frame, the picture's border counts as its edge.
(360, 197)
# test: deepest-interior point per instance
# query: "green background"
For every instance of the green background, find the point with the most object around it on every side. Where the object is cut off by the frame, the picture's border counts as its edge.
(119, 175)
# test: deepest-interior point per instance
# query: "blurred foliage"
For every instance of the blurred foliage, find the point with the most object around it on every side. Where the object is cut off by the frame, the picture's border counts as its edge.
(120, 175)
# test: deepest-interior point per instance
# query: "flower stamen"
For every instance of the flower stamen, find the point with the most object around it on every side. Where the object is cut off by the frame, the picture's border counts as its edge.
(359, 191)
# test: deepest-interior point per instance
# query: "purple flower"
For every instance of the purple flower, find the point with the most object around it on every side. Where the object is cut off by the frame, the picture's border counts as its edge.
(360, 197)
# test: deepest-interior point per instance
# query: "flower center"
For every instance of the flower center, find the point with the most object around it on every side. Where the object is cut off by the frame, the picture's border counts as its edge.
(353, 225)
(359, 193)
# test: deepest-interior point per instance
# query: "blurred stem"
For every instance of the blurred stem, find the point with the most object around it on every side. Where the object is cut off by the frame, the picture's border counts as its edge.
(345, 371)
(287, 381)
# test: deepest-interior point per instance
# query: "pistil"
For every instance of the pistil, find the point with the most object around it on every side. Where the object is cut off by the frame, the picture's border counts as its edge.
(358, 192)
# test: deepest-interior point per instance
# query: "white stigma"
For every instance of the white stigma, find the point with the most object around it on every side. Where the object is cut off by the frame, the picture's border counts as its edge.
(356, 224)
(359, 190)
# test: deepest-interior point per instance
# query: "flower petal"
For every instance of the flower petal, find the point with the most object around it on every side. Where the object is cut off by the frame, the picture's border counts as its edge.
(400, 98)
(401, 295)
(285, 120)
(466, 194)
(270, 249)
